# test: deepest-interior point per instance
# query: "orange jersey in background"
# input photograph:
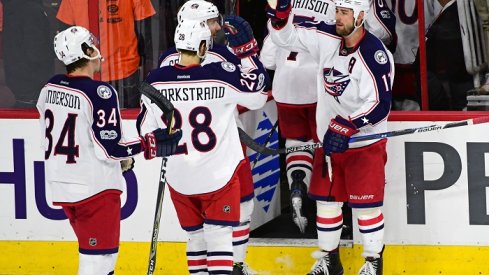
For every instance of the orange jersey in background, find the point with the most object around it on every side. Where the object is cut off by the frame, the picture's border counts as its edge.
(118, 41)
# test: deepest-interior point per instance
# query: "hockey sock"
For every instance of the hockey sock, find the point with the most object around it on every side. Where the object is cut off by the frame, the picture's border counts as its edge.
(371, 226)
(97, 264)
(241, 233)
(219, 240)
(299, 160)
(196, 252)
(329, 222)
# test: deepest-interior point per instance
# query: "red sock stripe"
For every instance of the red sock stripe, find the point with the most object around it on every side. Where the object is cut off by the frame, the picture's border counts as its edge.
(196, 262)
(329, 220)
(211, 263)
(299, 158)
(241, 233)
(373, 221)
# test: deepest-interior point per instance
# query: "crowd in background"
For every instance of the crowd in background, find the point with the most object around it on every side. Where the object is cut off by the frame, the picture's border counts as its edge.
(132, 34)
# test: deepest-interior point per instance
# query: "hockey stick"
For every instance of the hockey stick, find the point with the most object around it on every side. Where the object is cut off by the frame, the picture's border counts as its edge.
(161, 101)
(157, 218)
(168, 109)
(268, 151)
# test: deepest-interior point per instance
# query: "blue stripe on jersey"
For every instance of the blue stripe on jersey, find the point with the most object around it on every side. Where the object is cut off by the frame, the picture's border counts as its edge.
(221, 71)
(378, 65)
(386, 16)
(106, 118)
(388, 19)
(165, 54)
(223, 51)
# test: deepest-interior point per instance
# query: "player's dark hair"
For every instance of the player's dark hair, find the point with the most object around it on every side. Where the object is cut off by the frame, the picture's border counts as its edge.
(187, 52)
(81, 62)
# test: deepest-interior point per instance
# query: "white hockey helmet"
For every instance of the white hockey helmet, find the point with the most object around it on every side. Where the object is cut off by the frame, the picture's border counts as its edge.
(197, 10)
(190, 33)
(68, 44)
(356, 5)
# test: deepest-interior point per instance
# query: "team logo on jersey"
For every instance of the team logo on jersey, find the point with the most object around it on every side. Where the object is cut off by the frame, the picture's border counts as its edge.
(226, 209)
(335, 82)
(92, 241)
(228, 66)
(108, 134)
(381, 57)
(104, 92)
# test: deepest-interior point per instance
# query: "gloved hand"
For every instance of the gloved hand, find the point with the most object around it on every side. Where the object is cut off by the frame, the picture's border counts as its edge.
(337, 136)
(240, 36)
(159, 143)
(127, 164)
(278, 10)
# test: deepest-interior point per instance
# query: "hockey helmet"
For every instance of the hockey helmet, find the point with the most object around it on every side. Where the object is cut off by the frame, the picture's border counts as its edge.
(190, 33)
(68, 44)
(356, 5)
(199, 10)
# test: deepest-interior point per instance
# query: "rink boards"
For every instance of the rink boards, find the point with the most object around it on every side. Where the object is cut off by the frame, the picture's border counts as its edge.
(436, 215)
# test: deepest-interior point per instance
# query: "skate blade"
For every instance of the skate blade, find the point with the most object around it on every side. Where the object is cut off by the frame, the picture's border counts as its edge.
(300, 221)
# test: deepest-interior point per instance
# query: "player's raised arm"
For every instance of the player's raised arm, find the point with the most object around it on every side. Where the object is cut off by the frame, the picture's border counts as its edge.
(302, 37)
(250, 77)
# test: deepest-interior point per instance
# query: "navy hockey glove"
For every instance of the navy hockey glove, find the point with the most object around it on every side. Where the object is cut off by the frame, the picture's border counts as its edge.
(240, 36)
(278, 11)
(338, 135)
(160, 144)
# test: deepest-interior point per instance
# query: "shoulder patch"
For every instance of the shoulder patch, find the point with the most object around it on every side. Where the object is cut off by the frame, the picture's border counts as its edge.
(380, 57)
(228, 66)
(104, 92)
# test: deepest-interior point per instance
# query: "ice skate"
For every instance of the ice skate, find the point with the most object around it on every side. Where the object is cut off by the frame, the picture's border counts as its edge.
(242, 269)
(327, 263)
(372, 266)
(297, 195)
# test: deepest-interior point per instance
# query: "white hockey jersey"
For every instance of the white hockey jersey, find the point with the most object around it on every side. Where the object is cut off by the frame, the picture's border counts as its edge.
(218, 53)
(83, 142)
(407, 26)
(353, 83)
(295, 74)
(205, 98)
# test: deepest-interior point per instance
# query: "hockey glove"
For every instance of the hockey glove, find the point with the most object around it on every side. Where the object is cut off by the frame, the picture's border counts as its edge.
(127, 164)
(338, 135)
(278, 11)
(240, 36)
(160, 144)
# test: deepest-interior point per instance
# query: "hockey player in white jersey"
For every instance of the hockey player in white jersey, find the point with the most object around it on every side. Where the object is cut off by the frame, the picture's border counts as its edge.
(206, 11)
(84, 145)
(406, 11)
(295, 90)
(354, 98)
(203, 177)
